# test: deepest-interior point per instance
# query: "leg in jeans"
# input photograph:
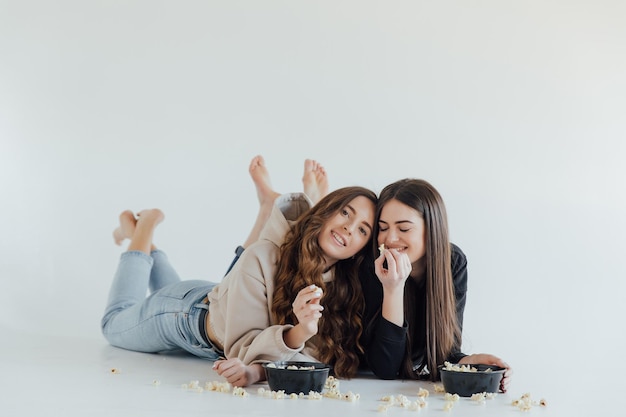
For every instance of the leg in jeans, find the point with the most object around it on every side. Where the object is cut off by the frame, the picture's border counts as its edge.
(166, 320)
(125, 309)
(162, 274)
(128, 322)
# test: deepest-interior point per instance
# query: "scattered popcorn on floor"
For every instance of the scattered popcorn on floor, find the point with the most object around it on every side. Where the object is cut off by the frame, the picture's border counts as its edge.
(401, 401)
(240, 392)
(156, 382)
(479, 397)
(439, 388)
(192, 386)
(386, 398)
(331, 384)
(423, 392)
(331, 390)
(332, 394)
(115, 371)
(350, 396)
(451, 397)
(279, 395)
(525, 402)
(404, 402)
(314, 395)
(421, 402)
(447, 406)
(218, 386)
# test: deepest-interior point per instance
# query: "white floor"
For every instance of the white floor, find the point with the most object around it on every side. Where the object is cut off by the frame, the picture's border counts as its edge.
(56, 376)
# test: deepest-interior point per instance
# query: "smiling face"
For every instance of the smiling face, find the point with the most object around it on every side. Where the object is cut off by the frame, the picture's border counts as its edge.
(348, 231)
(402, 228)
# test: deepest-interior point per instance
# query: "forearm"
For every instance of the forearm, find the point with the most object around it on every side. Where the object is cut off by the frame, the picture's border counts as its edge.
(256, 373)
(393, 305)
(296, 337)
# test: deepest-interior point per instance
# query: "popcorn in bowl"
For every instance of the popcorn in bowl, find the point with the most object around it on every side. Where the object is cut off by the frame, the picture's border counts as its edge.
(296, 377)
(467, 380)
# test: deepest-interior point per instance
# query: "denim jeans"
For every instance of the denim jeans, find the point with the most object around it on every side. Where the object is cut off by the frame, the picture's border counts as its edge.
(167, 319)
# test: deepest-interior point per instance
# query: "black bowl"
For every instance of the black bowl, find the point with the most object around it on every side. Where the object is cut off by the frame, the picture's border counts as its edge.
(308, 376)
(467, 383)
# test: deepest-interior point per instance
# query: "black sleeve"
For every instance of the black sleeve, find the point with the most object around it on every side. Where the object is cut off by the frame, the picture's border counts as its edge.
(383, 342)
(459, 277)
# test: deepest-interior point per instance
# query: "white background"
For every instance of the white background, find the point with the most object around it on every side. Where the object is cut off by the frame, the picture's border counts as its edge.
(514, 110)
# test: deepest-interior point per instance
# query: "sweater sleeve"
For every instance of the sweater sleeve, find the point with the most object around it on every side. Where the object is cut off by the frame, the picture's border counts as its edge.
(250, 334)
(384, 343)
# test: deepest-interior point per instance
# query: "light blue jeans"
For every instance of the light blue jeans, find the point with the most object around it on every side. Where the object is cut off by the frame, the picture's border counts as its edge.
(167, 319)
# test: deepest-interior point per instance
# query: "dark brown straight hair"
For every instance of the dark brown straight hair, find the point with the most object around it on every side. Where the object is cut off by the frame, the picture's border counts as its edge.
(442, 330)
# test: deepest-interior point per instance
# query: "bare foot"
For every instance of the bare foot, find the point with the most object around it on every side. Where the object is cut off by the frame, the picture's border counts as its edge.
(150, 216)
(261, 178)
(147, 221)
(266, 195)
(126, 228)
(314, 180)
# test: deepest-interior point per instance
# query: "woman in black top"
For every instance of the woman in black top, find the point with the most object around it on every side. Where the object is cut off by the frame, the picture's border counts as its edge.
(415, 289)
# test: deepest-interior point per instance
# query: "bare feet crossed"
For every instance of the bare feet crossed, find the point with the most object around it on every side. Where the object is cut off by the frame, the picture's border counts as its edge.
(147, 221)
(315, 184)
(138, 229)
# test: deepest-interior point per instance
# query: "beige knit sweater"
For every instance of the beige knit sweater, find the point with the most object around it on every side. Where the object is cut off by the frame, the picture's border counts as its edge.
(240, 306)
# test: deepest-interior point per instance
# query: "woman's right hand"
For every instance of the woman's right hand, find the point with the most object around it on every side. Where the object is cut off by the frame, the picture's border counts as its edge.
(393, 279)
(308, 309)
(398, 269)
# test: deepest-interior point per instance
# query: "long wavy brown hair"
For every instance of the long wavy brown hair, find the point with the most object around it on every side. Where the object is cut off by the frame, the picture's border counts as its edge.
(442, 330)
(301, 263)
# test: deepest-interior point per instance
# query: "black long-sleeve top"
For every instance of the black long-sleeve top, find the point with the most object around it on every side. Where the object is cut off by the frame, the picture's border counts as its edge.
(384, 343)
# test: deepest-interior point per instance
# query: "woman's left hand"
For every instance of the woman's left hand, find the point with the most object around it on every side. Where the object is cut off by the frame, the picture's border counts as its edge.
(238, 374)
(488, 359)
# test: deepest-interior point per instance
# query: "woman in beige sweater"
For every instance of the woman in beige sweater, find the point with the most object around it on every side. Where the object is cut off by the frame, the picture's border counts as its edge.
(293, 295)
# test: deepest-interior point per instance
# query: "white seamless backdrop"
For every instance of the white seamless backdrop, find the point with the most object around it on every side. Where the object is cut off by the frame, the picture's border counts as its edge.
(513, 110)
